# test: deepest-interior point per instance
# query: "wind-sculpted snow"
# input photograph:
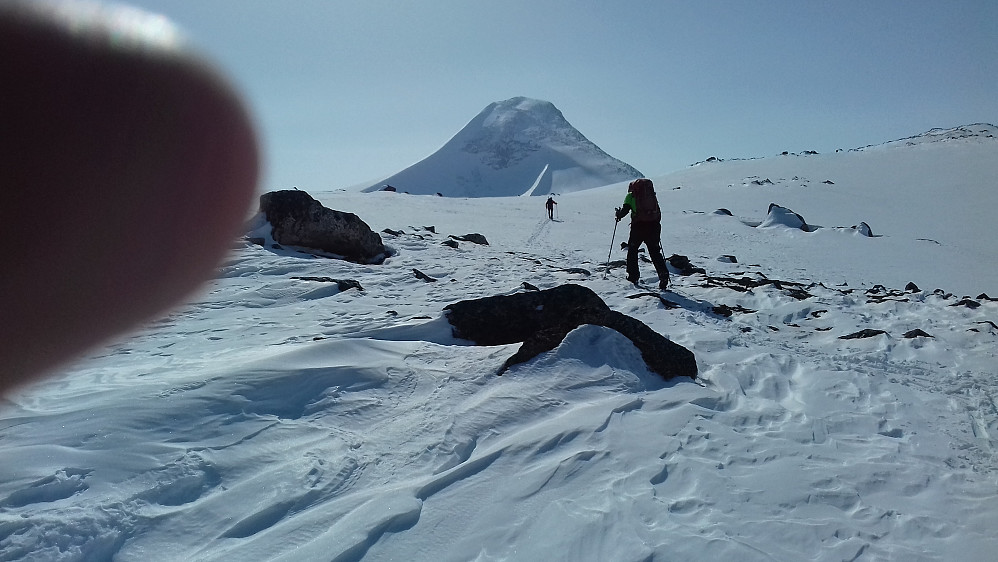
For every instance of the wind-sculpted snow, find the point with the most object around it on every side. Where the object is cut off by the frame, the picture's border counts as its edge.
(278, 417)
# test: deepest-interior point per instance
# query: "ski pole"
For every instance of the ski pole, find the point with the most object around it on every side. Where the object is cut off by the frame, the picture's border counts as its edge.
(605, 271)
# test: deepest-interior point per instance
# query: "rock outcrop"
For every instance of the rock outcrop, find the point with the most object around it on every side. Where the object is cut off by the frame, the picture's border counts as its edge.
(299, 220)
(542, 319)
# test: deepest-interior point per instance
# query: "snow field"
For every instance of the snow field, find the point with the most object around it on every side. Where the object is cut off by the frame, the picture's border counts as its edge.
(274, 418)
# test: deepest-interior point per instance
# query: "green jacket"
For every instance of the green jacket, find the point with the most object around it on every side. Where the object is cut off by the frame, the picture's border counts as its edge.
(628, 202)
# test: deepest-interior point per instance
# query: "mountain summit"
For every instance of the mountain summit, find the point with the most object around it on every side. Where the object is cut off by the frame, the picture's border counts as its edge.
(519, 146)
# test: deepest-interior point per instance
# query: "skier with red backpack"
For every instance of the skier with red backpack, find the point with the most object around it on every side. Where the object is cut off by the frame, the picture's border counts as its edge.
(646, 228)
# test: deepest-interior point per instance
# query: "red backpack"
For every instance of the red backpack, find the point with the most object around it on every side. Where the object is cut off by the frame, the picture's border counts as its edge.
(645, 201)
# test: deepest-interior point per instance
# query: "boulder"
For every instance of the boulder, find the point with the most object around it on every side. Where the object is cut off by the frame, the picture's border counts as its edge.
(474, 238)
(299, 220)
(542, 319)
(865, 333)
(778, 215)
(682, 265)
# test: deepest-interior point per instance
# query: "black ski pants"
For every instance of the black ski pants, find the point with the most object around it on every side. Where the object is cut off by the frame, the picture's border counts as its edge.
(649, 234)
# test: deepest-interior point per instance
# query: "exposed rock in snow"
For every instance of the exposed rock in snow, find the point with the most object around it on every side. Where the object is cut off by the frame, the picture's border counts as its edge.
(975, 132)
(863, 229)
(299, 220)
(474, 237)
(542, 319)
(519, 146)
(682, 265)
(783, 216)
(862, 334)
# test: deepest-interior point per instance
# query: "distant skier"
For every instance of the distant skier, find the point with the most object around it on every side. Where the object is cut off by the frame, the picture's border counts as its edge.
(550, 203)
(646, 228)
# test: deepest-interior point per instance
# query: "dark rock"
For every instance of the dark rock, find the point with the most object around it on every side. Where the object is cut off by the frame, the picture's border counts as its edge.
(912, 288)
(389, 188)
(473, 238)
(723, 310)
(916, 333)
(502, 320)
(420, 275)
(577, 271)
(744, 284)
(967, 303)
(451, 243)
(985, 297)
(867, 333)
(542, 319)
(432, 229)
(299, 220)
(344, 284)
(829, 182)
(529, 287)
(723, 211)
(727, 258)
(683, 266)
(879, 294)
(393, 232)
(341, 284)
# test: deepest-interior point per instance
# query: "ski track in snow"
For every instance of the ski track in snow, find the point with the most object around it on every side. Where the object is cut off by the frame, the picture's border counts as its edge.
(280, 419)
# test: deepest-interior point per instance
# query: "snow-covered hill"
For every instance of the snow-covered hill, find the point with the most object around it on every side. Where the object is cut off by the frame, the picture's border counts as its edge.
(519, 146)
(276, 417)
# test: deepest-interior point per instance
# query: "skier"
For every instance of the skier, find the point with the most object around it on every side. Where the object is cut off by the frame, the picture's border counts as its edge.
(550, 203)
(646, 228)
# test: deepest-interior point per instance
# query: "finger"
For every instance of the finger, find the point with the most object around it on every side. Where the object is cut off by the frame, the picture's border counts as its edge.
(128, 169)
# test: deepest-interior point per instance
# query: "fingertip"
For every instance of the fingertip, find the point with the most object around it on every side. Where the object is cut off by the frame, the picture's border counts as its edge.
(130, 168)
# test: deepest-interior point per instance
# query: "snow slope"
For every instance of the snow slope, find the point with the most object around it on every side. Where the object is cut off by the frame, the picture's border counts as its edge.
(276, 418)
(519, 146)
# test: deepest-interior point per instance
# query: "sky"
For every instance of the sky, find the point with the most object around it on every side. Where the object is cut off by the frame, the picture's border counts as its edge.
(347, 93)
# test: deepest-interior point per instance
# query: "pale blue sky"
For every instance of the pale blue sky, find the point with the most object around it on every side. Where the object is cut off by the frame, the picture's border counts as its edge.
(346, 92)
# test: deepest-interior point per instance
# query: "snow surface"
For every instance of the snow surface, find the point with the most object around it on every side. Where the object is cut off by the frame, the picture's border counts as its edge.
(519, 146)
(275, 418)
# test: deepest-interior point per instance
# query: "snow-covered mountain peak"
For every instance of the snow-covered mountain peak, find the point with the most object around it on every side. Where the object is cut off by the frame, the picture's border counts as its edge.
(525, 118)
(519, 146)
